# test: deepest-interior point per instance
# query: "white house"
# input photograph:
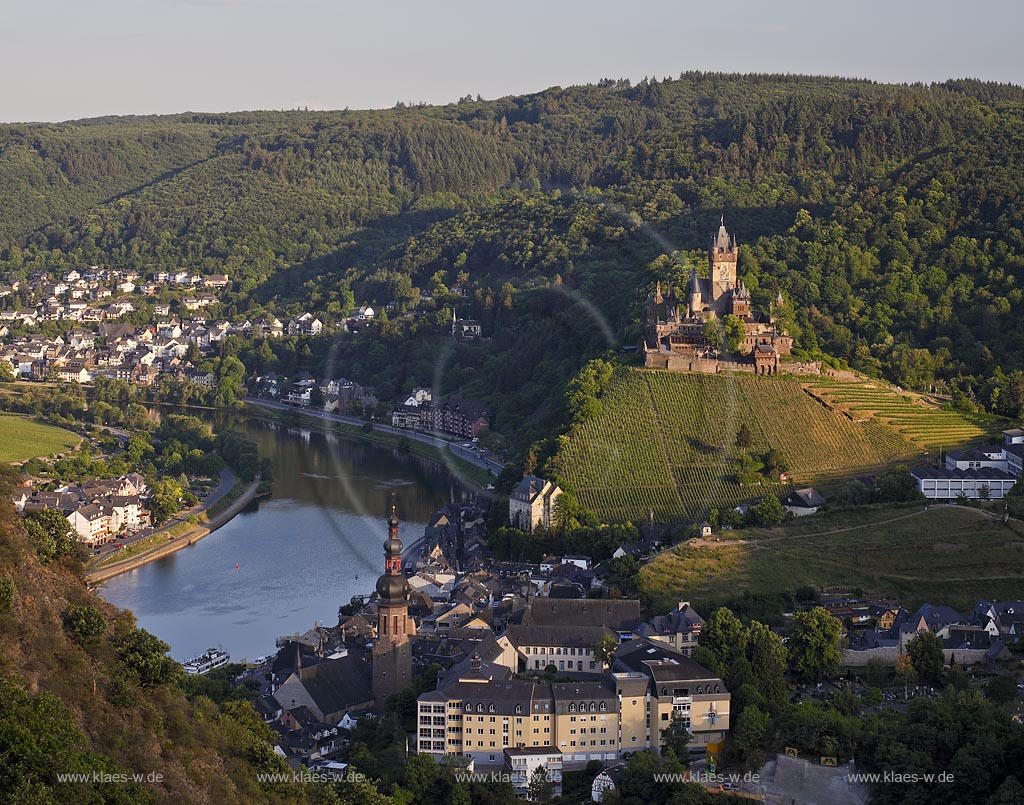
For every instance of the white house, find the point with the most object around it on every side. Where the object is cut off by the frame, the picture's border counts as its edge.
(606, 781)
(522, 763)
(91, 523)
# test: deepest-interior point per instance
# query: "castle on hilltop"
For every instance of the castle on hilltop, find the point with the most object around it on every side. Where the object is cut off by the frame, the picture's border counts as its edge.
(676, 329)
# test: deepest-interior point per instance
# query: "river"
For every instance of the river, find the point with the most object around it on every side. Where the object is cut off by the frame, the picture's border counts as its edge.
(289, 561)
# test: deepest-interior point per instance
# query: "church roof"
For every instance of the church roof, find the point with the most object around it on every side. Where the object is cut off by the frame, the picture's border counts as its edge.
(336, 685)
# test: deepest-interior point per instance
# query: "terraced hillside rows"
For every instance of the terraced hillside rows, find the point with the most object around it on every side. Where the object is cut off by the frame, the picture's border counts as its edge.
(664, 441)
(953, 554)
(919, 419)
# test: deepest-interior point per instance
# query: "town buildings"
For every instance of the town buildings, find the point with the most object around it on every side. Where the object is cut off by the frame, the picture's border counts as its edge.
(990, 471)
(98, 511)
(532, 504)
(481, 715)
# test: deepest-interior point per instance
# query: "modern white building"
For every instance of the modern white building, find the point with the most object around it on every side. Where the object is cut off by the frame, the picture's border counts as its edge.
(990, 471)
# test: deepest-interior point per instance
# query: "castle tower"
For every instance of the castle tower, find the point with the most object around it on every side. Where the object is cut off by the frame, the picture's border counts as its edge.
(392, 651)
(741, 301)
(696, 302)
(722, 258)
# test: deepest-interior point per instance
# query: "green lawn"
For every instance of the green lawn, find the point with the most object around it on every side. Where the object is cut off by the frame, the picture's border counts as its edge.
(22, 439)
(953, 556)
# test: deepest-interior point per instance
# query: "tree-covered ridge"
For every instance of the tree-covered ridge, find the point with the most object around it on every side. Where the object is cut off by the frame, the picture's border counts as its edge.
(888, 216)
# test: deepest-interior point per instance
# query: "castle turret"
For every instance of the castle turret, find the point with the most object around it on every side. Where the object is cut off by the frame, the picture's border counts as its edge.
(722, 259)
(696, 301)
(392, 651)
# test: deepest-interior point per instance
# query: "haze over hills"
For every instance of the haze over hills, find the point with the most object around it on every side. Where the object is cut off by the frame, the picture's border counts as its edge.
(889, 216)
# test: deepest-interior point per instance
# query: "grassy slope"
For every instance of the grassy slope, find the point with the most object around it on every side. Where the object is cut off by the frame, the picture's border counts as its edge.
(665, 441)
(22, 439)
(946, 555)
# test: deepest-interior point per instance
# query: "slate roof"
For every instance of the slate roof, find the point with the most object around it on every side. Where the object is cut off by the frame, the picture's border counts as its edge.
(807, 498)
(974, 453)
(337, 685)
(573, 636)
(504, 696)
(619, 614)
(565, 693)
(981, 473)
(937, 616)
(679, 620)
(657, 660)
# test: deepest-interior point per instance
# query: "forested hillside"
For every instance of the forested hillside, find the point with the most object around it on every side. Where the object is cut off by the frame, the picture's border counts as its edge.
(890, 218)
(84, 691)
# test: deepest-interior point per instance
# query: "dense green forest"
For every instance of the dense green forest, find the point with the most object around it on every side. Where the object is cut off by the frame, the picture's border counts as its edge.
(889, 217)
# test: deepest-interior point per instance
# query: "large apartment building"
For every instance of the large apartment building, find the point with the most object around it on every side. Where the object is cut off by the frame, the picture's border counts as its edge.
(480, 716)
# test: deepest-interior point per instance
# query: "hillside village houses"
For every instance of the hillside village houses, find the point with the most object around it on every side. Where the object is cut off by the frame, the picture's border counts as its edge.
(100, 298)
(98, 511)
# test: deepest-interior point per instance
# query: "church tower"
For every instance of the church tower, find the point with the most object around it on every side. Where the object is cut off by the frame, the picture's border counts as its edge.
(392, 651)
(722, 259)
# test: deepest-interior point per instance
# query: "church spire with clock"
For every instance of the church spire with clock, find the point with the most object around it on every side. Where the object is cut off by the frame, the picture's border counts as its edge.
(392, 651)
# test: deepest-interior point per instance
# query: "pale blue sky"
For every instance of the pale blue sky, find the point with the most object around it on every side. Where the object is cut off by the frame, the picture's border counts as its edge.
(65, 59)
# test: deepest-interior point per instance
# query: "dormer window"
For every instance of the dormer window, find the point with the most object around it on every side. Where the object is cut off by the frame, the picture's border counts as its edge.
(572, 707)
(519, 709)
(490, 708)
(480, 708)
(604, 707)
(469, 707)
(593, 706)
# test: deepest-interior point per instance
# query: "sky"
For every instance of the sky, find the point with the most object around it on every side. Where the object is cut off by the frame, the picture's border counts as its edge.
(69, 59)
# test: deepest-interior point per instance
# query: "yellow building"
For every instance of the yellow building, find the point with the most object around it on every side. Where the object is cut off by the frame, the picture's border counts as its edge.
(678, 687)
(586, 721)
(625, 711)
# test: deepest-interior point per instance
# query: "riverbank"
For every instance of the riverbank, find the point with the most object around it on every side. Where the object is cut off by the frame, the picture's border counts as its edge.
(175, 542)
(472, 471)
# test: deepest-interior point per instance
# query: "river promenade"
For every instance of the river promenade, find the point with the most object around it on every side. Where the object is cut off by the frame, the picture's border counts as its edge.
(175, 543)
(450, 444)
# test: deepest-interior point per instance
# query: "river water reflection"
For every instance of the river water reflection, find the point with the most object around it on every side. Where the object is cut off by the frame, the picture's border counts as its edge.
(299, 555)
